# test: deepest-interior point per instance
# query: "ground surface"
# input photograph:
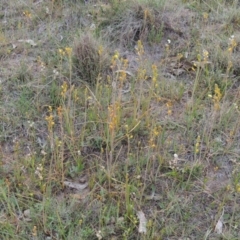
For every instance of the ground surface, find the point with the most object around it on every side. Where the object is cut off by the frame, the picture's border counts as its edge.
(119, 119)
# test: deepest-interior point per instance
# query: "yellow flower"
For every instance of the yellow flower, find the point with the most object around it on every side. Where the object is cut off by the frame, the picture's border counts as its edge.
(139, 48)
(116, 55)
(68, 50)
(205, 16)
(169, 105)
(217, 97)
(197, 144)
(59, 111)
(61, 52)
(27, 14)
(50, 108)
(64, 89)
(49, 118)
(154, 74)
(113, 119)
(125, 63)
(50, 121)
(100, 50)
(34, 231)
(232, 43)
(238, 188)
(205, 55)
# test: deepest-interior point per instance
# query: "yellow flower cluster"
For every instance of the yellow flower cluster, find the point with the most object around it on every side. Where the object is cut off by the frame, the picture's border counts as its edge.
(59, 111)
(64, 88)
(153, 135)
(154, 75)
(217, 97)
(100, 50)
(113, 119)
(232, 43)
(114, 60)
(139, 48)
(34, 231)
(148, 16)
(169, 105)
(202, 58)
(141, 74)
(38, 171)
(68, 50)
(238, 187)
(27, 14)
(123, 74)
(65, 51)
(41, 64)
(205, 16)
(197, 145)
(50, 118)
(205, 55)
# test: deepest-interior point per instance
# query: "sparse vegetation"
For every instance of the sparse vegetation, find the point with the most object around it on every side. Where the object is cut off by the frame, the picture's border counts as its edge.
(119, 119)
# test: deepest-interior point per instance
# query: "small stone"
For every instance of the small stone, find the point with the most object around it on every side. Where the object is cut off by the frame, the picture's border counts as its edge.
(26, 213)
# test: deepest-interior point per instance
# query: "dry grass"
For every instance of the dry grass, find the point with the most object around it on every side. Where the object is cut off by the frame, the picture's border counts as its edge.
(119, 114)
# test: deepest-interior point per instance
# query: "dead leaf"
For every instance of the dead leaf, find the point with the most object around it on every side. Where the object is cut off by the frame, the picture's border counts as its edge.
(99, 235)
(26, 215)
(178, 72)
(219, 225)
(77, 186)
(79, 196)
(201, 64)
(30, 41)
(14, 46)
(142, 222)
(153, 196)
(124, 71)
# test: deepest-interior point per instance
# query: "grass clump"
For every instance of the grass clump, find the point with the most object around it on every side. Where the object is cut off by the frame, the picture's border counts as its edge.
(90, 59)
(132, 22)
